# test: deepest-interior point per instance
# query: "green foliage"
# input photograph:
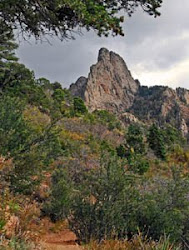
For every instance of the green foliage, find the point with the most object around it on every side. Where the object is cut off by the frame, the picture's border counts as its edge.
(59, 95)
(172, 136)
(58, 204)
(7, 50)
(134, 150)
(63, 101)
(45, 83)
(135, 139)
(61, 17)
(106, 204)
(134, 142)
(109, 205)
(121, 151)
(107, 118)
(138, 164)
(14, 132)
(165, 208)
(106, 147)
(79, 106)
(18, 81)
(56, 85)
(156, 142)
(2, 224)
(31, 149)
(32, 160)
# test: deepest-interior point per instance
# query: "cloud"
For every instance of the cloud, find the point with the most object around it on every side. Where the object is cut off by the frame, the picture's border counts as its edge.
(174, 77)
(155, 50)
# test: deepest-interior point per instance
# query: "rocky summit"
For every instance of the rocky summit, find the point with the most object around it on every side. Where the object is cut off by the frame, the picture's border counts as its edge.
(110, 86)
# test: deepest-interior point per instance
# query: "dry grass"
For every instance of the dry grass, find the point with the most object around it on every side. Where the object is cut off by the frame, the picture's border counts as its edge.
(137, 243)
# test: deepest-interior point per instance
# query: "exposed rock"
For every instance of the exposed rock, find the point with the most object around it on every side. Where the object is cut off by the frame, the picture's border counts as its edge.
(128, 118)
(183, 94)
(109, 85)
(162, 105)
(184, 128)
(78, 89)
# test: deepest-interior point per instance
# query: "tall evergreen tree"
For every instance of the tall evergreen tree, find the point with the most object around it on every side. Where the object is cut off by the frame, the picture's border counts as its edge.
(156, 142)
(135, 139)
(7, 49)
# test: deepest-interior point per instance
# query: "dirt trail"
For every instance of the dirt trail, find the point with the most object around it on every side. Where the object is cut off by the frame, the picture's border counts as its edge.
(50, 246)
(64, 240)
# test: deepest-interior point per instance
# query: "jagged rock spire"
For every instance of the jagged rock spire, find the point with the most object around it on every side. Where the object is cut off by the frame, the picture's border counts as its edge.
(109, 84)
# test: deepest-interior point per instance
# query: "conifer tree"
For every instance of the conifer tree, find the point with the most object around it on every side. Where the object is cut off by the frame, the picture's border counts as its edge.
(7, 49)
(156, 142)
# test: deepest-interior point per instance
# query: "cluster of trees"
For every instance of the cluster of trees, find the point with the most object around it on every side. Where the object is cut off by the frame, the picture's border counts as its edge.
(139, 141)
(111, 202)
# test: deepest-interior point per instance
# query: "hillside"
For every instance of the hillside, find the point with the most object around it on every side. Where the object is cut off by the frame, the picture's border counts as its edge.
(106, 160)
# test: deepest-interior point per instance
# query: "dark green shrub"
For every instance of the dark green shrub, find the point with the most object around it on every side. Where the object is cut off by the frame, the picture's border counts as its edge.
(59, 202)
(135, 139)
(79, 106)
(107, 118)
(173, 136)
(59, 95)
(156, 142)
(121, 151)
(138, 164)
(106, 205)
(165, 208)
(14, 132)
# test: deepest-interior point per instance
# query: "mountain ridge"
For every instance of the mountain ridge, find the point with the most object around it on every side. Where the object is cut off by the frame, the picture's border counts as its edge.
(110, 86)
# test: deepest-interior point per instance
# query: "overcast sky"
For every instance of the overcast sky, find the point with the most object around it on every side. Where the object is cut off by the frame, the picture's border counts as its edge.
(156, 50)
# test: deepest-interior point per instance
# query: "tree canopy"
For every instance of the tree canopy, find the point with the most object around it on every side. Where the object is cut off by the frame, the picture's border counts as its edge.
(63, 18)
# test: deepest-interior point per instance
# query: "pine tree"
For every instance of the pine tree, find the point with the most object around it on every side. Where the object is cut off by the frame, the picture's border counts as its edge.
(156, 142)
(7, 50)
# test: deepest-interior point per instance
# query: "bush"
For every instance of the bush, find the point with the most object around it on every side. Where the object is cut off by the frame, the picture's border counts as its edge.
(58, 205)
(107, 118)
(106, 204)
(138, 164)
(79, 106)
(122, 151)
(135, 139)
(156, 141)
(165, 208)
(111, 203)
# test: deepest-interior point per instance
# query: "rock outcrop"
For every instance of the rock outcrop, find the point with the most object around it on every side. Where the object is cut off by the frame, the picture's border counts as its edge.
(111, 86)
(79, 88)
(161, 104)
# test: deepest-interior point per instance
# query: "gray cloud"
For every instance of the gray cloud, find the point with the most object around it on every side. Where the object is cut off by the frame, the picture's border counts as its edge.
(151, 48)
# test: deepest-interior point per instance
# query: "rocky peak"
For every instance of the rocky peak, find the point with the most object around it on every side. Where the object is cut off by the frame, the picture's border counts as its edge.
(103, 54)
(109, 84)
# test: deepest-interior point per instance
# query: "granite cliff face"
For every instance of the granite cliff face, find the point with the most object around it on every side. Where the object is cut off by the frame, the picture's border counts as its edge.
(111, 86)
